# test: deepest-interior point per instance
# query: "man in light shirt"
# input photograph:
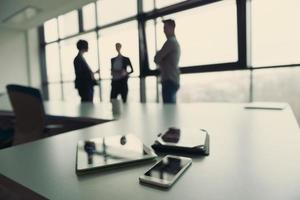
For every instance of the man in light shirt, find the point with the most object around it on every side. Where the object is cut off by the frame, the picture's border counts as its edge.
(167, 58)
(120, 74)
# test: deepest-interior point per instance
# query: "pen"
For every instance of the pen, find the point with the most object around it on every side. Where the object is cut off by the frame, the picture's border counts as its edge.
(263, 108)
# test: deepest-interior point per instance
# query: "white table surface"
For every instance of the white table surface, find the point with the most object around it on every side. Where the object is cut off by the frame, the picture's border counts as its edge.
(254, 154)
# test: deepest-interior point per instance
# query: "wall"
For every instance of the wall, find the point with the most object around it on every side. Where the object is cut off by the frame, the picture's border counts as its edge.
(19, 58)
(33, 61)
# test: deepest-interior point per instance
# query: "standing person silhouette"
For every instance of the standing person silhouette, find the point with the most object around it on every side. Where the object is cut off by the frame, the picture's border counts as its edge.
(120, 74)
(84, 81)
(167, 58)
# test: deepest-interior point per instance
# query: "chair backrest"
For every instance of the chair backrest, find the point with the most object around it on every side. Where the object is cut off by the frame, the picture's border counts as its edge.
(29, 111)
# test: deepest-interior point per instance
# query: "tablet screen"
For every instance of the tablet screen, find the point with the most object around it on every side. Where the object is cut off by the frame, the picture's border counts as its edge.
(110, 151)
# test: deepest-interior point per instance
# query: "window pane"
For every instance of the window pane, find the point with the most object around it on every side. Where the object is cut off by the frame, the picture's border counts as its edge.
(278, 85)
(50, 30)
(212, 39)
(127, 35)
(68, 24)
(151, 89)
(105, 89)
(54, 91)
(69, 51)
(164, 3)
(275, 32)
(89, 16)
(148, 5)
(52, 62)
(232, 86)
(152, 46)
(114, 10)
(133, 90)
(70, 92)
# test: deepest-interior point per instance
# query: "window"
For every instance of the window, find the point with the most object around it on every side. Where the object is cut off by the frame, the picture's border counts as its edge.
(229, 86)
(114, 10)
(70, 94)
(52, 62)
(69, 51)
(89, 16)
(148, 5)
(275, 32)
(133, 90)
(151, 83)
(105, 90)
(51, 33)
(209, 37)
(279, 85)
(127, 35)
(55, 92)
(68, 24)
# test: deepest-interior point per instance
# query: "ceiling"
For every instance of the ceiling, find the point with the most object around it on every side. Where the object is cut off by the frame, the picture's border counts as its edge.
(46, 9)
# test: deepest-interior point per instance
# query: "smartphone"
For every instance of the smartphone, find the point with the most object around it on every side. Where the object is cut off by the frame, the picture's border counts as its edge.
(165, 172)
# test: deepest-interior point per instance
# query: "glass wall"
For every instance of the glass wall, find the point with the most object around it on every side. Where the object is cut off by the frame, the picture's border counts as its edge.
(127, 35)
(51, 32)
(53, 62)
(89, 16)
(68, 24)
(114, 10)
(278, 85)
(230, 86)
(208, 35)
(69, 51)
(150, 5)
(275, 32)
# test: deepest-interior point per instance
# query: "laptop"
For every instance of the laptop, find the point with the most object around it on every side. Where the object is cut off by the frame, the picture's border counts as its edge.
(111, 152)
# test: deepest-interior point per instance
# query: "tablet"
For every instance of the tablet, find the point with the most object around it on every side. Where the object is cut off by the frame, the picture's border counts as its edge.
(110, 152)
(194, 141)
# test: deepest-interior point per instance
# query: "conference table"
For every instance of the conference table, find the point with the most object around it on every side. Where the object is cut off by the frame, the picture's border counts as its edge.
(254, 153)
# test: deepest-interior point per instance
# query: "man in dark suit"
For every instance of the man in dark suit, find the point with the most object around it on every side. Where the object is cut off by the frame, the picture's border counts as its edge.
(85, 80)
(120, 74)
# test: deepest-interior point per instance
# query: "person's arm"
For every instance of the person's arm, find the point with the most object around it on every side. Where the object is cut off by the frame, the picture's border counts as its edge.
(97, 71)
(130, 66)
(111, 66)
(166, 48)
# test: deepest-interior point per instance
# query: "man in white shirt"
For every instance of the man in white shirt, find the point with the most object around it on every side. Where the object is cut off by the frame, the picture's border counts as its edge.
(167, 58)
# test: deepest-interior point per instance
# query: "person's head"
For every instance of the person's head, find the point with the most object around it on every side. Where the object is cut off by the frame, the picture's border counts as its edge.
(82, 46)
(169, 27)
(118, 47)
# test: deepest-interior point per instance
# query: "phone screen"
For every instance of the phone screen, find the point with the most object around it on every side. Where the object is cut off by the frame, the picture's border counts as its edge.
(168, 168)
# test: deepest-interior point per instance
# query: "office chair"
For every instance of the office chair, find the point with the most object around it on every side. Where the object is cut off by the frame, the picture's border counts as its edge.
(31, 121)
(6, 129)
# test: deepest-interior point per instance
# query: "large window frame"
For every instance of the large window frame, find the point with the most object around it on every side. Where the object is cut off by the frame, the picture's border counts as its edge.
(142, 17)
(241, 37)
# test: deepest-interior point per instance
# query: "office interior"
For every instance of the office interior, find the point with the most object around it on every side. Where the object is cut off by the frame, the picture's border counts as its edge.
(232, 50)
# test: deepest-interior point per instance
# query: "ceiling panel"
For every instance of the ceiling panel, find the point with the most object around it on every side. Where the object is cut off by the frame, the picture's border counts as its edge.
(47, 9)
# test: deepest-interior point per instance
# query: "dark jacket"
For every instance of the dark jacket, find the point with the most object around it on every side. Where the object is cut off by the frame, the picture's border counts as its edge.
(84, 75)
